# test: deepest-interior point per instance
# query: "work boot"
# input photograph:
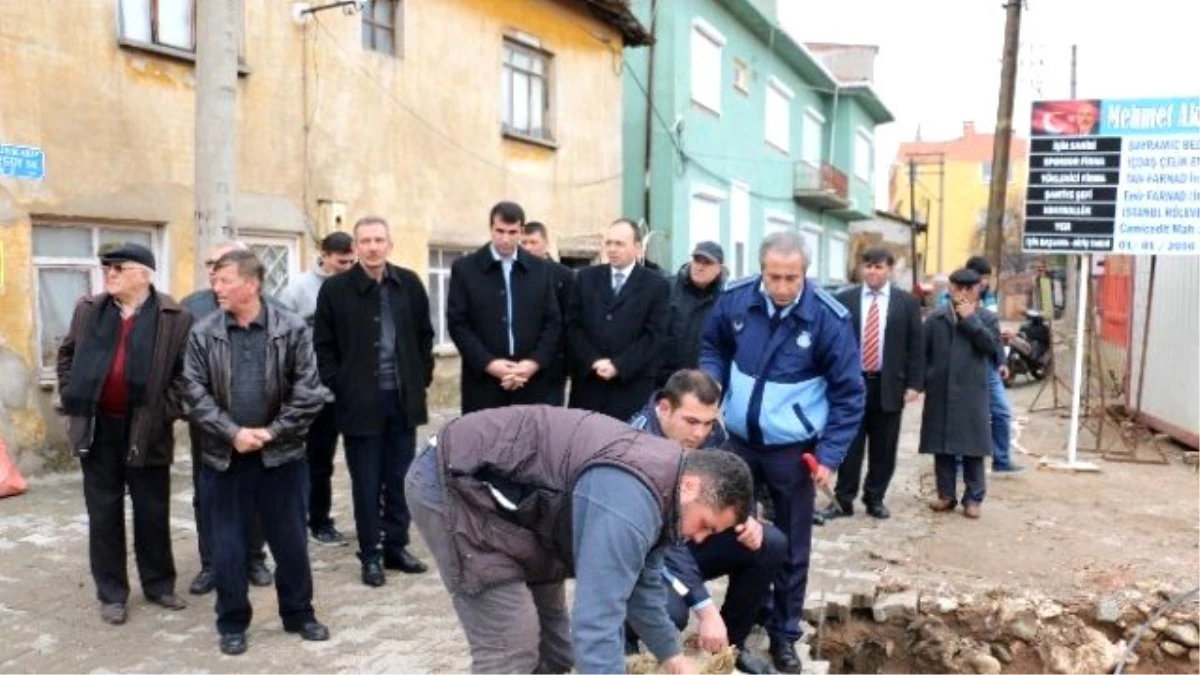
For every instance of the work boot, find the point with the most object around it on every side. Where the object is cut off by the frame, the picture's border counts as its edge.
(372, 573)
(405, 562)
(233, 644)
(836, 511)
(258, 574)
(204, 583)
(783, 654)
(114, 613)
(329, 536)
(971, 511)
(941, 505)
(752, 664)
(168, 600)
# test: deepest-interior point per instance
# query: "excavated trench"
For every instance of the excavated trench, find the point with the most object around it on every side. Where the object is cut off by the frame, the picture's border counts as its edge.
(1129, 632)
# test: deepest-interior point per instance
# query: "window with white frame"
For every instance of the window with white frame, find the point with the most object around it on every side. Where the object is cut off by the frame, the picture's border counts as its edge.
(280, 256)
(811, 232)
(838, 264)
(779, 114)
(706, 46)
(525, 82)
(66, 267)
(778, 221)
(382, 26)
(812, 137)
(440, 260)
(166, 23)
(864, 150)
(704, 216)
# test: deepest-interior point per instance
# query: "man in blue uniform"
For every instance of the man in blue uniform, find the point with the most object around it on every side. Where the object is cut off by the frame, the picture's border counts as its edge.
(686, 410)
(785, 355)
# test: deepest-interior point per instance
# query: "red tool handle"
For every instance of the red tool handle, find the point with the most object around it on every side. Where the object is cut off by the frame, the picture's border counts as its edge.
(811, 462)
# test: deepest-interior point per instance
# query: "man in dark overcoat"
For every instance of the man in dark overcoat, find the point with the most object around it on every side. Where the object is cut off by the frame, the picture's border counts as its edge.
(961, 343)
(503, 316)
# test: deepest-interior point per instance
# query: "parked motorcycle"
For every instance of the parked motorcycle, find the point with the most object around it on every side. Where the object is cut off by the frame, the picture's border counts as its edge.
(1029, 351)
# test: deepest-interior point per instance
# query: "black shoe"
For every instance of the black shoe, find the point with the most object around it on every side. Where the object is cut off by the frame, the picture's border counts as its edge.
(832, 512)
(751, 664)
(204, 583)
(312, 630)
(372, 573)
(329, 536)
(114, 613)
(878, 511)
(169, 600)
(783, 654)
(233, 643)
(258, 574)
(405, 562)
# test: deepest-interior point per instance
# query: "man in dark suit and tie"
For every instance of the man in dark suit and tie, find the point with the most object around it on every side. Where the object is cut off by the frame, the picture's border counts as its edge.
(616, 328)
(887, 322)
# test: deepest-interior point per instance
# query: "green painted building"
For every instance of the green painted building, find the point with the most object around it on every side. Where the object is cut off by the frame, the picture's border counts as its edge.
(733, 130)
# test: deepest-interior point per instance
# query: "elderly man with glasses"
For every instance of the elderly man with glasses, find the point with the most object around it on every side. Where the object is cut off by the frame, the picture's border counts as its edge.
(120, 378)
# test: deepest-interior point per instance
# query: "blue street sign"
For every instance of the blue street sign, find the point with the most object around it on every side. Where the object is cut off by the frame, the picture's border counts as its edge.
(22, 161)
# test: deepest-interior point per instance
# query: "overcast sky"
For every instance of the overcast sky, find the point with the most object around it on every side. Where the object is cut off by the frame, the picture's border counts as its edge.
(939, 60)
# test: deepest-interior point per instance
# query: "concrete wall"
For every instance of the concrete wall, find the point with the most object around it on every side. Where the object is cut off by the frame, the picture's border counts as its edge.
(414, 137)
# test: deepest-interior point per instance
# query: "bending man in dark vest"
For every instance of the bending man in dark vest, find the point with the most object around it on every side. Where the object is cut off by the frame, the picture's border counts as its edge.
(512, 501)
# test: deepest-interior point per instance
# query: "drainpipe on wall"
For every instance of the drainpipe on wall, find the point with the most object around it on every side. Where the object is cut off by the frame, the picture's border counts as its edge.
(649, 116)
(837, 88)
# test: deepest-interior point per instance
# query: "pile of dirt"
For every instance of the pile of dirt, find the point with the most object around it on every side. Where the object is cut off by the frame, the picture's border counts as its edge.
(1023, 634)
(720, 663)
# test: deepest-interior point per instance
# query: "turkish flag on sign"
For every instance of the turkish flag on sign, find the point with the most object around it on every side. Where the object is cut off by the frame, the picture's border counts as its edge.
(1065, 118)
(12, 483)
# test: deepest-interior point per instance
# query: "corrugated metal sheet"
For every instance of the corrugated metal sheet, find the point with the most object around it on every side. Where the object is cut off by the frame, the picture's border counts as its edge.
(1170, 399)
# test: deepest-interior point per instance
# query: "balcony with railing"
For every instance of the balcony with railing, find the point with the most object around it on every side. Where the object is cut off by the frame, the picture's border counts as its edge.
(862, 201)
(821, 186)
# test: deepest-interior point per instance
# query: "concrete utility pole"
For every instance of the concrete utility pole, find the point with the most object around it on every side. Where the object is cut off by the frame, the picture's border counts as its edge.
(1003, 138)
(216, 125)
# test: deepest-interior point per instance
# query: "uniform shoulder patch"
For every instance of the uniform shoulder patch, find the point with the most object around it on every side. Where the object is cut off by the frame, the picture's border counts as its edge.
(831, 302)
(741, 283)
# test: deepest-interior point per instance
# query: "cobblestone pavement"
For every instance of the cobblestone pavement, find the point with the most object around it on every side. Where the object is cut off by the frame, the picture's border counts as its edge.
(49, 615)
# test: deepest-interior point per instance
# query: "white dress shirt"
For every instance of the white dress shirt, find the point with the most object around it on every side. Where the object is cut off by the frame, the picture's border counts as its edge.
(883, 298)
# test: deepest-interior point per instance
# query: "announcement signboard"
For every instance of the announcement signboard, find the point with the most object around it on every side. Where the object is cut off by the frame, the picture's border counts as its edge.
(1114, 176)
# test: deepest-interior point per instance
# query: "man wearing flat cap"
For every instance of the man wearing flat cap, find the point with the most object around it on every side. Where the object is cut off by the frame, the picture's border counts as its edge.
(120, 378)
(961, 343)
(695, 291)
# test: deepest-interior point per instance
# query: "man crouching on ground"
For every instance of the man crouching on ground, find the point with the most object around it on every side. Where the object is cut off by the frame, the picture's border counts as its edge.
(512, 501)
(687, 410)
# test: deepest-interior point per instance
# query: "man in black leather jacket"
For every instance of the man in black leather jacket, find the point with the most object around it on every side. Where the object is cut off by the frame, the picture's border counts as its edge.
(253, 389)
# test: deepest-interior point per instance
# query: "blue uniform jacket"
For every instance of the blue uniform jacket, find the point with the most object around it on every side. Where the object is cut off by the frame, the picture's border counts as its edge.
(682, 572)
(789, 380)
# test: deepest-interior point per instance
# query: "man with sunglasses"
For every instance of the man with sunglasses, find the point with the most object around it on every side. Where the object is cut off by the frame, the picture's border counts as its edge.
(202, 303)
(120, 379)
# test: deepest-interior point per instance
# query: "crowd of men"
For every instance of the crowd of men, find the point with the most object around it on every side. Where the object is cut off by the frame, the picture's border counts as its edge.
(689, 403)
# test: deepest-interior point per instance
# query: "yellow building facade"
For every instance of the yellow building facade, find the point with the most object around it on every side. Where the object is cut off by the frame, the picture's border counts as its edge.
(426, 112)
(953, 180)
